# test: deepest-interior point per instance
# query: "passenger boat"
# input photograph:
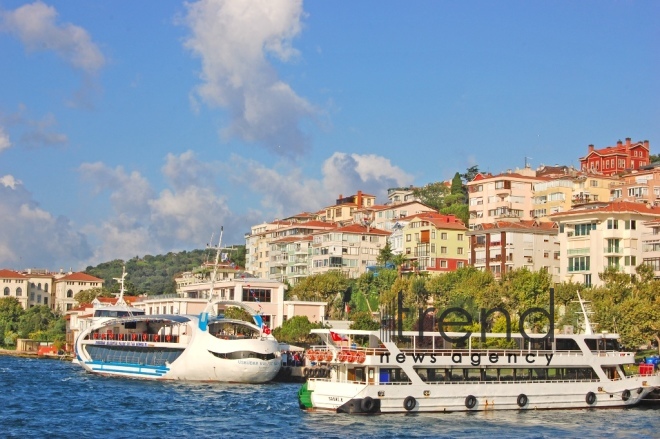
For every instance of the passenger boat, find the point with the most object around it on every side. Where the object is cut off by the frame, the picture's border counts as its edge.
(386, 371)
(204, 347)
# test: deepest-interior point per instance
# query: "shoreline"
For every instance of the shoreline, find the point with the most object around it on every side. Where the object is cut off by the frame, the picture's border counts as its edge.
(28, 354)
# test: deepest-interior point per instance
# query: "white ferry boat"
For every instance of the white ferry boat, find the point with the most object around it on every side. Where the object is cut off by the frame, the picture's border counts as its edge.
(124, 341)
(180, 347)
(387, 371)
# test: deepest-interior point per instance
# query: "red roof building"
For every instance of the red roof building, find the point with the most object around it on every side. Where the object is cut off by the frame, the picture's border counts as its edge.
(623, 157)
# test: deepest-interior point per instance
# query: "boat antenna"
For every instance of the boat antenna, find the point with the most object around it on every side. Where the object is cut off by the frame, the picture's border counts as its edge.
(585, 312)
(215, 265)
(120, 301)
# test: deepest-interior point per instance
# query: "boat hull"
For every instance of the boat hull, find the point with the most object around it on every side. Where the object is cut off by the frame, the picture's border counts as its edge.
(376, 398)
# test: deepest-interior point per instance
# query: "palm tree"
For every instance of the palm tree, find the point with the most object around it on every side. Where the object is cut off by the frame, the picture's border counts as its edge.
(398, 261)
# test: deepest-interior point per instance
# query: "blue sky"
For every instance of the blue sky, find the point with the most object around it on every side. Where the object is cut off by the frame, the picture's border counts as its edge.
(134, 128)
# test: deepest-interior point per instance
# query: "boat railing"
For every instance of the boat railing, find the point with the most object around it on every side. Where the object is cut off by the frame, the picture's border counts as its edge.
(133, 337)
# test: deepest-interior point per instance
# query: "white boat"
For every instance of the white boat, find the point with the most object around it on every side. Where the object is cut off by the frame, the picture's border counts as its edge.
(388, 371)
(204, 347)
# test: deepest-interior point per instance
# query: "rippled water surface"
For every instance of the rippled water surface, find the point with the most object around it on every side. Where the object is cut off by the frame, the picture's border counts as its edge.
(50, 398)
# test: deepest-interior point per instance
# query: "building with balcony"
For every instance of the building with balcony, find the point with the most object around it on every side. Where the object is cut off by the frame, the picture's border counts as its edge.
(503, 246)
(66, 286)
(434, 243)
(651, 246)
(290, 258)
(611, 160)
(345, 207)
(502, 197)
(348, 248)
(595, 236)
(642, 186)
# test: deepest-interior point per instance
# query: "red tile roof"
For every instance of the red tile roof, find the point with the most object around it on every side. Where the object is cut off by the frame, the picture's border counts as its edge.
(10, 274)
(615, 207)
(83, 277)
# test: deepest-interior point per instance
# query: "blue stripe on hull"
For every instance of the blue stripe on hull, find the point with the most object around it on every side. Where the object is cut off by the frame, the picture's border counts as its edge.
(125, 369)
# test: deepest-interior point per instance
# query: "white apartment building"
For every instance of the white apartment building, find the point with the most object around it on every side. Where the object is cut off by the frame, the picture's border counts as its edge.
(600, 235)
(651, 246)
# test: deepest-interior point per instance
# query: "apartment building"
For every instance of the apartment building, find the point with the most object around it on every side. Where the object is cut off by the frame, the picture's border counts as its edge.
(642, 186)
(503, 246)
(434, 243)
(345, 207)
(561, 194)
(348, 248)
(611, 160)
(595, 236)
(385, 217)
(500, 197)
(15, 284)
(651, 246)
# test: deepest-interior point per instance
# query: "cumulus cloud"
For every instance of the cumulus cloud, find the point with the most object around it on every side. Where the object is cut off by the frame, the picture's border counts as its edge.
(345, 173)
(36, 26)
(31, 236)
(234, 41)
(5, 143)
(284, 192)
(146, 222)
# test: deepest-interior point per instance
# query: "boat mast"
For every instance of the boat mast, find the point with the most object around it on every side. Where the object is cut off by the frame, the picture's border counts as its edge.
(215, 264)
(585, 312)
(120, 301)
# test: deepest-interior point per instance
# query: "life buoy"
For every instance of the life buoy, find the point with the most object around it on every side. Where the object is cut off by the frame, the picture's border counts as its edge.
(328, 356)
(119, 337)
(409, 403)
(350, 357)
(134, 336)
(522, 400)
(156, 337)
(96, 335)
(168, 338)
(144, 337)
(367, 404)
(341, 356)
(311, 355)
(625, 395)
(590, 398)
(360, 357)
(470, 401)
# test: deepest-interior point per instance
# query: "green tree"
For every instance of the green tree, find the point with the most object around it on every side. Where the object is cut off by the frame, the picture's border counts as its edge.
(296, 330)
(385, 255)
(432, 194)
(37, 318)
(88, 296)
(238, 313)
(325, 287)
(363, 321)
(10, 313)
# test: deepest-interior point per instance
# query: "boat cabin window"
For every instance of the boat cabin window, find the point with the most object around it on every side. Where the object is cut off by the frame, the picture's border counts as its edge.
(356, 374)
(116, 313)
(602, 344)
(393, 376)
(567, 344)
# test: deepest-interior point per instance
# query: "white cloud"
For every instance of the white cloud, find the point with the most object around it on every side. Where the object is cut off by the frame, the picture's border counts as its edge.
(36, 26)
(286, 192)
(234, 40)
(30, 236)
(344, 174)
(5, 143)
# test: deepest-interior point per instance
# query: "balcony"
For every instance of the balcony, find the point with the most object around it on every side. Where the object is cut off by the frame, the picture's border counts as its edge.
(613, 250)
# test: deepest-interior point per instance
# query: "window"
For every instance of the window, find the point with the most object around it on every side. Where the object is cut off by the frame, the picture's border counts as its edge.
(580, 263)
(69, 293)
(443, 264)
(631, 225)
(443, 235)
(459, 236)
(443, 250)
(460, 264)
(631, 261)
(19, 291)
(6, 291)
(612, 224)
(459, 250)
(408, 237)
(256, 295)
(584, 229)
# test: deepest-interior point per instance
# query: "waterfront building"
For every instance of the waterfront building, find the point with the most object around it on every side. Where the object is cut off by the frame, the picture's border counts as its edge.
(611, 160)
(387, 217)
(14, 284)
(67, 285)
(595, 236)
(503, 246)
(501, 197)
(434, 243)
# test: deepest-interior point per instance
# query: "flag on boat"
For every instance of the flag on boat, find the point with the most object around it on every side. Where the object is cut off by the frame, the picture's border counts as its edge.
(336, 337)
(265, 329)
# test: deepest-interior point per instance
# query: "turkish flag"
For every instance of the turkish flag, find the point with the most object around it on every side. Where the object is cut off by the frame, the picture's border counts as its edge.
(336, 337)
(265, 329)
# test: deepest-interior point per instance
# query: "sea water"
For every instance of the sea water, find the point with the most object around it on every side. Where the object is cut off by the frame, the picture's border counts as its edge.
(51, 398)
